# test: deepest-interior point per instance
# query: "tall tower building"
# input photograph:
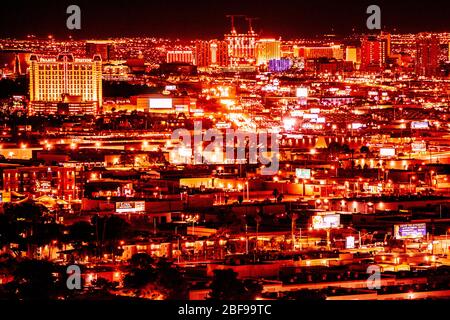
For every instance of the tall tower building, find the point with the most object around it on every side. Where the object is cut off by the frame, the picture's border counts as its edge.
(338, 52)
(353, 54)
(387, 38)
(65, 84)
(202, 53)
(241, 46)
(267, 49)
(103, 48)
(219, 53)
(211, 53)
(373, 53)
(427, 55)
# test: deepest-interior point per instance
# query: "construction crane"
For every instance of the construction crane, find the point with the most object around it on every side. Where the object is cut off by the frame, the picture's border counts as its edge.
(232, 16)
(250, 19)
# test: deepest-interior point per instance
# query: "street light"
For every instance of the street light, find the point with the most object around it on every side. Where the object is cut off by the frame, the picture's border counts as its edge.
(342, 205)
(335, 167)
(318, 201)
(248, 191)
(411, 178)
(193, 219)
(431, 178)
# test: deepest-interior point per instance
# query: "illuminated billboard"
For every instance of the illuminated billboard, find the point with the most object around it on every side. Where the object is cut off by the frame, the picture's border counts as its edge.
(350, 242)
(43, 186)
(356, 126)
(387, 152)
(130, 206)
(160, 103)
(301, 92)
(418, 146)
(320, 120)
(297, 113)
(310, 116)
(410, 230)
(303, 173)
(419, 125)
(326, 221)
(289, 123)
(182, 108)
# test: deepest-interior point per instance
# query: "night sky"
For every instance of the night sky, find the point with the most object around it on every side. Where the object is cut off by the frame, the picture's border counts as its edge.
(206, 19)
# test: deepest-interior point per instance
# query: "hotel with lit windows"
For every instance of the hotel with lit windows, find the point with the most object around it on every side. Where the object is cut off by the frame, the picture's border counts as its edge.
(64, 84)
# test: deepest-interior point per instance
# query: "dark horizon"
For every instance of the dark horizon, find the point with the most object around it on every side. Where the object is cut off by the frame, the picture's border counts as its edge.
(200, 19)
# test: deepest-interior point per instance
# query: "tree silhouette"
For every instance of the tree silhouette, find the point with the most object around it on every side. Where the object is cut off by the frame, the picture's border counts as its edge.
(141, 261)
(33, 279)
(364, 149)
(275, 193)
(161, 276)
(108, 232)
(171, 281)
(226, 286)
(280, 198)
(34, 222)
(80, 231)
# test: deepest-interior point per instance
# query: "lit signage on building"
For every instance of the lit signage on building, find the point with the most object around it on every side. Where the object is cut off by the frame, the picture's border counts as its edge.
(387, 152)
(320, 120)
(43, 186)
(419, 125)
(350, 242)
(410, 230)
(130, 206)
(303, 173)
(301, 92)
(160, 103)
(171, 88)
(310, 116)
(418, 146)
(326, 221)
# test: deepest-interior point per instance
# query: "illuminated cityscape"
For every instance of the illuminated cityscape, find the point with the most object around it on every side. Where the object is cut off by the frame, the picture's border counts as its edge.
(246, 165)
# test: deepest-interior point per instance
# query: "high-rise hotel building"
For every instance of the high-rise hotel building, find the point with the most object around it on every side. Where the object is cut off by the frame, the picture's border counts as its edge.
(373, 53)
(65, 84)
(316, 52)
(211, 53)
(427, 55)
(241, 47)
(266, 50)
(104, 48)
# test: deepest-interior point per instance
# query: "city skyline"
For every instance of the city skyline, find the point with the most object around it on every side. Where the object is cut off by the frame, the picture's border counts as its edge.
(230, 151)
